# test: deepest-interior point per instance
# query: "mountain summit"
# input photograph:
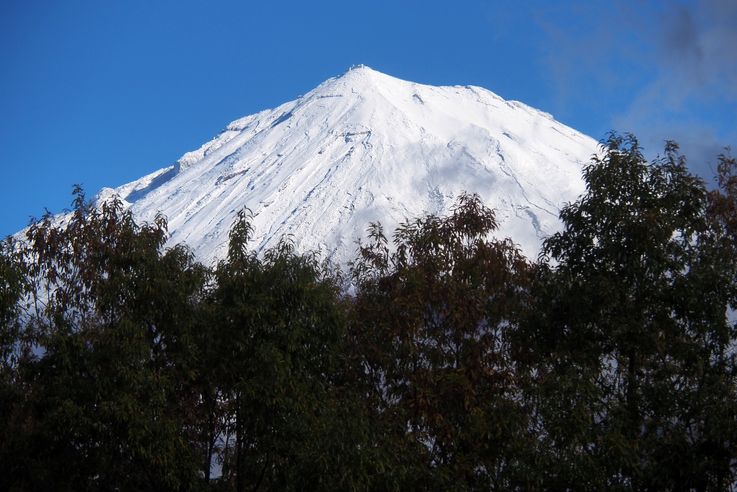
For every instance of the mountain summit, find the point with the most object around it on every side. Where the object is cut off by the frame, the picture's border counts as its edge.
(362, 147)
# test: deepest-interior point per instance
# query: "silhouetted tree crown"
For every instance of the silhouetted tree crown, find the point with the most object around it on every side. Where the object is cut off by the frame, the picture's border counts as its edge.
(443, 360)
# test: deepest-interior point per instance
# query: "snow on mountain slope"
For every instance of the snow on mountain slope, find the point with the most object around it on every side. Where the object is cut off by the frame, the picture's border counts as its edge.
(363, 147)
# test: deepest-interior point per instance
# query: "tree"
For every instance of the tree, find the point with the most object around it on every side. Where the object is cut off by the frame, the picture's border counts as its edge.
(633, 358)
(280, 326)
(15, 348)
(432, 322)
(107, 313)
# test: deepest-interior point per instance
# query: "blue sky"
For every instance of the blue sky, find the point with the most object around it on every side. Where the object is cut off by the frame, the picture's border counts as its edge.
(101, 93)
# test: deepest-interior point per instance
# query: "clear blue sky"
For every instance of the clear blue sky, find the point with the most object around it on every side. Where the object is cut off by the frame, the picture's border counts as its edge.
(101, 93)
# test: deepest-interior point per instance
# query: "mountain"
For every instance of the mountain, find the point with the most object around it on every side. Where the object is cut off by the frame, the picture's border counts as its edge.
(362, 147)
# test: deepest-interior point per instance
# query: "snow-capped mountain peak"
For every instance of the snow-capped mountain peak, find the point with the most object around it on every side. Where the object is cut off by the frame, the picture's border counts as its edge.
(361, 147)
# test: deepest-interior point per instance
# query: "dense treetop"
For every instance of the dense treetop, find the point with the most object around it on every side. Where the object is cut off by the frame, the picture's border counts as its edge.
(444, 361)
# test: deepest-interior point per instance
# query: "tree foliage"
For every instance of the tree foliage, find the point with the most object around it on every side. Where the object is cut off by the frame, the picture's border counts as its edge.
(281, 369)
(445, 361)
(632, 350)
(432, 321)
